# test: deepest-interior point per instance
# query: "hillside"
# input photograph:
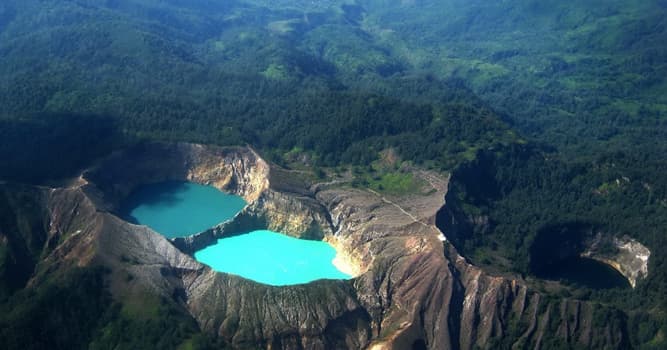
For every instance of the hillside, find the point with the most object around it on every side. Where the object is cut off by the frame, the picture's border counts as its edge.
(548, 118)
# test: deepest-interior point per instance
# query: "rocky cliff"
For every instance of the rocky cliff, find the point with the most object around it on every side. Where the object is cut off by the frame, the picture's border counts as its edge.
(411, 287)
(628, 256)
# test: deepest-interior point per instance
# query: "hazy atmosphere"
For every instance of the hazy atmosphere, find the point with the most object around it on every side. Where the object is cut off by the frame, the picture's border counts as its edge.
(325, 174)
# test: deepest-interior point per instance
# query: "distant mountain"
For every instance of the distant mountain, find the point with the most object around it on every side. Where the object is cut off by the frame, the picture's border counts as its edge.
(579, 74)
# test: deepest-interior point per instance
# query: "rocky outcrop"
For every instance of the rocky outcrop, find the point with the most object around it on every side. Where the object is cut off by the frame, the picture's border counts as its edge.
(627, 256)
(235, 170)
(411, 287)
(557, 243)
(301, 217)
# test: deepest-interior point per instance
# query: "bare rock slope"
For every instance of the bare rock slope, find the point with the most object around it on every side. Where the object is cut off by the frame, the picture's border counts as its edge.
(411, 290)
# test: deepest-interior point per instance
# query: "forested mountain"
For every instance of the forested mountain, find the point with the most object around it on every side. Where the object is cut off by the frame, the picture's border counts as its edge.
(229, 75)
(582, 76)
(544, 112)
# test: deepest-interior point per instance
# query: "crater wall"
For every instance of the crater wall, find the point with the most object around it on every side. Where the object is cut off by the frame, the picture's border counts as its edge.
(413, 289)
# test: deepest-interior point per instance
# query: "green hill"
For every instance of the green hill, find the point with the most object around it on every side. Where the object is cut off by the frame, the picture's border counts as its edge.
(555, 103)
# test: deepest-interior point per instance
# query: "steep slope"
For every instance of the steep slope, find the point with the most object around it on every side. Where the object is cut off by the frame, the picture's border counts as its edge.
(23, 235)
(327, 83)
(412, 288)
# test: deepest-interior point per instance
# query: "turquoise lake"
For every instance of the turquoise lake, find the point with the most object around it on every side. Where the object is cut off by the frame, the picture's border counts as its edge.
(272, 258)
(178, 209)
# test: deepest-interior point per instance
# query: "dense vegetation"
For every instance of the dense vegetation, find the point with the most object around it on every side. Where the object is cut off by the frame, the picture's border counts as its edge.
(238, 83)
(79, 299)
(337, 82)
(519, 198)
(581, 76)
(51, 146)
(23, 233)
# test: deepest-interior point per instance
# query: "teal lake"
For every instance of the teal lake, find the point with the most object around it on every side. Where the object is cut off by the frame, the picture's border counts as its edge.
(178, 209)
(272, 258)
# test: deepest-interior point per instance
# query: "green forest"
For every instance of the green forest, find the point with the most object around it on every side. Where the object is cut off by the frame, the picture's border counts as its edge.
(544, 112)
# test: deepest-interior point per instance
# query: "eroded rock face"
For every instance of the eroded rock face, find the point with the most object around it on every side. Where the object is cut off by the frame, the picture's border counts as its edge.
(235, 170)
(556, 243)
(412, 289)
(629, 257)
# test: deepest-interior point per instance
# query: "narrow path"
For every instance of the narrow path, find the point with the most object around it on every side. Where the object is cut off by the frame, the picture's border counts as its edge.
(329, 183)
(435, 182)
(441, 236)
(428, 177)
